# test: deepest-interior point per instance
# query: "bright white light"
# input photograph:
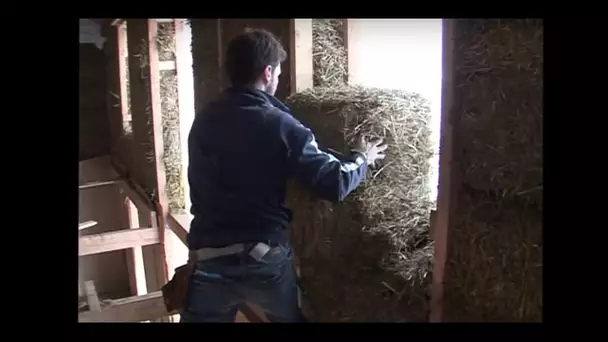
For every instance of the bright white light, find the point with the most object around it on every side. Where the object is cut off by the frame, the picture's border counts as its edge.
(402, 54)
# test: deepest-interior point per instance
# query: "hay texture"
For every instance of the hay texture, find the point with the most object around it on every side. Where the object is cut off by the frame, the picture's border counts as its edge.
(378, 240)
(500, 87)
(494, 267)
(170, 120)
(329, 56)
(494, 261)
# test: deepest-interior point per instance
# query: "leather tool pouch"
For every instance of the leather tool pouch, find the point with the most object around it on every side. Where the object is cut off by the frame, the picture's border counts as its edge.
(175, 291)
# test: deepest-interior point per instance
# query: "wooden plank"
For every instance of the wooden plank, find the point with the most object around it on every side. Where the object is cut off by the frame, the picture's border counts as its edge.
(448, 179)
(135, 256)
(300, 59)
(131, 309)
(206, 56)
(146, 112)
(91, 293)
(152, 256)
(91, 185)
(351, 29)
(180, 224)
(162, 202)
(117, 240)
(87, 224)
(141, 202)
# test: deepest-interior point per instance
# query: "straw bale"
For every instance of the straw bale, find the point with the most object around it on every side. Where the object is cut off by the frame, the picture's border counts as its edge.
(165, 41)
(494, 268)
(329, 56)
(377, 241)
(499, 78)
(172, 158)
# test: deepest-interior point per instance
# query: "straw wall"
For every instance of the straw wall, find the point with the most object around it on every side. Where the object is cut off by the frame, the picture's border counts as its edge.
(494, 262)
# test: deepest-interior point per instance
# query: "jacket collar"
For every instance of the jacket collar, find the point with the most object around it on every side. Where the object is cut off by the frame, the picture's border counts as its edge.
(259, 94)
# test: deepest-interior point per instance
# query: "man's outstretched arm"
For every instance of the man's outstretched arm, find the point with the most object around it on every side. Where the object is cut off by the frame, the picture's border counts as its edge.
(329, 177)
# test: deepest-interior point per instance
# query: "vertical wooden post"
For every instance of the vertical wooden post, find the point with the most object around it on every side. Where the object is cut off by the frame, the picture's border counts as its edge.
(147, 130)
(92, 299)
(447, 175)
(350, 35)
(135, 257)
(113, 82)
(206, 56)
(300, 54)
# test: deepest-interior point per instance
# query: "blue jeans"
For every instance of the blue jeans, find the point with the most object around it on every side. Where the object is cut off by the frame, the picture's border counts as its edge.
(219, 286)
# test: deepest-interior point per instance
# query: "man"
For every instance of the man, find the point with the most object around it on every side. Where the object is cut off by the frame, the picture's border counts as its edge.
(242, 148)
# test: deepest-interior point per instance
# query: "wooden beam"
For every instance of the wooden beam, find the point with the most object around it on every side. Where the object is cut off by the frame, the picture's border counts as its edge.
(131, 309)
(87, 224)
(206, 56)
(300, 57)
(135, 256)
(117, 240)
(147, 132)
(180, 225)
(162, 201)
(352, 30)
(141, 202)
(91, 293)
(448, 178)
(96, 184)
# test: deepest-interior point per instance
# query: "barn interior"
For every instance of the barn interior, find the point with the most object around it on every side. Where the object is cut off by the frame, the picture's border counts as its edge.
(447, 229)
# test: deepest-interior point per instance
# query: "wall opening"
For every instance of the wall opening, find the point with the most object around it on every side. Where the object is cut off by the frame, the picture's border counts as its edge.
(403, 54)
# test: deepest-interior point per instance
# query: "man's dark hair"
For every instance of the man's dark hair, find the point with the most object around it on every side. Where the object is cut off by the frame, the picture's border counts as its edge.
(249, 53)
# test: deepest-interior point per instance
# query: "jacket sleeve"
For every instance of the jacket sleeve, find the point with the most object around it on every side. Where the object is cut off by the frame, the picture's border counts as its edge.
(328, 177)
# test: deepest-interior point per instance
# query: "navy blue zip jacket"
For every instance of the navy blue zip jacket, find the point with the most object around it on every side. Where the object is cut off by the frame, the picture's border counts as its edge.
(242, 148)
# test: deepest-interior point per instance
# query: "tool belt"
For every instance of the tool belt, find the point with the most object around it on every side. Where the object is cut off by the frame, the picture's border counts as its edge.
(175, 291)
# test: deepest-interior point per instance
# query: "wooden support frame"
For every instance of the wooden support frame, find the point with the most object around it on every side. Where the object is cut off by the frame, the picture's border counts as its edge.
(135, 256)
(117, 240)
(448, 177)
(300, 55)
(138, 308)
(131, 309)
(145, 89)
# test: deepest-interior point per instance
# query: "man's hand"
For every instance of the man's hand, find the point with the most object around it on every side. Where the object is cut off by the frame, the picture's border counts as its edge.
(373, 150)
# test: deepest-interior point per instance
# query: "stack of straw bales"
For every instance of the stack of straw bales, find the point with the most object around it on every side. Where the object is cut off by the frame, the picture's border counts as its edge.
(369, 258)
(494, 261)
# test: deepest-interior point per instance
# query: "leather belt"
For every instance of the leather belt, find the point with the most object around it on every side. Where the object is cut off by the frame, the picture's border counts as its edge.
(257, 252)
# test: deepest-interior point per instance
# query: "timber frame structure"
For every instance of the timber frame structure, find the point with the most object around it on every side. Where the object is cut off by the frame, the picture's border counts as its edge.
(149, 216)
